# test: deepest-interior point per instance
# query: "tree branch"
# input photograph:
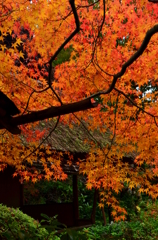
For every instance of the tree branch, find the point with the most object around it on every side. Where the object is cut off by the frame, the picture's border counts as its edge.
(51, 112)
(136, 55)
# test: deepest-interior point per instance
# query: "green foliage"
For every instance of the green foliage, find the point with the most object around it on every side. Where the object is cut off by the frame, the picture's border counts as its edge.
(129, 199)
(70, 234)
(142, 226)
(95, 232)
(48, 191)
(85, 198)
(146, 224)
(63, 56)
(16, 225)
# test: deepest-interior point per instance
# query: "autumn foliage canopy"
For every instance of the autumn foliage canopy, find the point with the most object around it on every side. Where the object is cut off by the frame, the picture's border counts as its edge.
(102, 55)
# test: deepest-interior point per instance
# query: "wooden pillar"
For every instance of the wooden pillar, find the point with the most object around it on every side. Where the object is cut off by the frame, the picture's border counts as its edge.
(75, 200)
(21, 195)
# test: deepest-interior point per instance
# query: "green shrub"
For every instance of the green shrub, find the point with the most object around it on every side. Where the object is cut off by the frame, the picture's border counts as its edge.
(143, 226)
(16, 225)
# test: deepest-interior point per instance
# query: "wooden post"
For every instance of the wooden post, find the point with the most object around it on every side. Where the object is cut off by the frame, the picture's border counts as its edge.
(75, 199)
(21, 195)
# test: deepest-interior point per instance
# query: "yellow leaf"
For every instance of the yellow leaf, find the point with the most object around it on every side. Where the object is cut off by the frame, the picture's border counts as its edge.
(21, 54)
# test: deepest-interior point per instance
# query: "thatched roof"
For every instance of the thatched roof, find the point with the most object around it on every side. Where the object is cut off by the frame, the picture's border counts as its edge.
(75, 139)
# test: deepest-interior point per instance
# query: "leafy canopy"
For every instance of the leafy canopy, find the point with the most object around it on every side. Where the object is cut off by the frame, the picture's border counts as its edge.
(113, 42)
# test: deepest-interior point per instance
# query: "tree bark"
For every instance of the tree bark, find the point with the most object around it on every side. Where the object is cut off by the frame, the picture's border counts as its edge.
(103, 213)
(51, 112)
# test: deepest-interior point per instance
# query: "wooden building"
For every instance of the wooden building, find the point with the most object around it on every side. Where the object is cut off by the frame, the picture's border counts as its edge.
(62, 139)
(12, 196)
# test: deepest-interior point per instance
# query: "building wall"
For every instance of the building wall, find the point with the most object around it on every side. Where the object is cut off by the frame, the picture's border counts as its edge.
(10, 189)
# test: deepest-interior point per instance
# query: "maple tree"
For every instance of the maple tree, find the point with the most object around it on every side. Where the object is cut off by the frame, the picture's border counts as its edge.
(110, 70)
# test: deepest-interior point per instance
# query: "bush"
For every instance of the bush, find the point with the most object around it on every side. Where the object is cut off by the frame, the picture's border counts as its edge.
(16, 225)
(142, 226)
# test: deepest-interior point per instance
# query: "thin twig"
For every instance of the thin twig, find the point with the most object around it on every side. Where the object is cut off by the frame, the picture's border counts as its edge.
(43, 140)
(72, 3)
(132, 59)
(150, 114)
